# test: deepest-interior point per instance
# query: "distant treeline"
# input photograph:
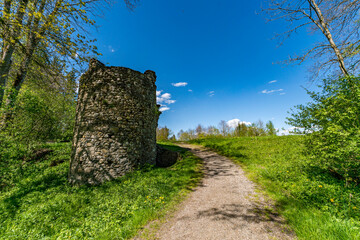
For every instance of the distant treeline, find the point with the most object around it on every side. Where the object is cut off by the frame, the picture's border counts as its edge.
(258, 128)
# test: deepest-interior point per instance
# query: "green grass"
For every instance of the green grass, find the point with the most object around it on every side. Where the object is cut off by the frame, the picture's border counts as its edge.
(317, 204)
(40, 204)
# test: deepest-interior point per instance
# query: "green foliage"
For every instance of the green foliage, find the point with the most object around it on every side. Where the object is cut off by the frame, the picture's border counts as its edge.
(44, 109)
(332, 123)
(40, 116)
(163, 134)
(317, 204)
(40, 204)
(11, 159)
(241, 130)
(270, 129)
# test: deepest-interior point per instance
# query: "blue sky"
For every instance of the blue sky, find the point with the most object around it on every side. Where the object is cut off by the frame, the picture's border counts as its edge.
(222, 49)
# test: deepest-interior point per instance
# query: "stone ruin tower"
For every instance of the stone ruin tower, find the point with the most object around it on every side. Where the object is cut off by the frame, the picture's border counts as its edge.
(115, 125)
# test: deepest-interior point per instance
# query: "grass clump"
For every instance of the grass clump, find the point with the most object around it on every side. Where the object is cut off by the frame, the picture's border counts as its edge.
(317, 203)
(40, 204)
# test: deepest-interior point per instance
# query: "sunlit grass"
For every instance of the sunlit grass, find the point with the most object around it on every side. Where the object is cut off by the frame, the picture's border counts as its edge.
(41, 205)
(316, 203)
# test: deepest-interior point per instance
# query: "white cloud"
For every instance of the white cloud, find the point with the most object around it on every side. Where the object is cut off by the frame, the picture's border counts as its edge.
(164, 108)
(111, 49)
(190, 90)
(170, 101)
(235, 122)
(162, 99)
(290, 131)
(166, 96)
(271, 91)
(180, 84)
(211, 93)
(282, 93)
(273, 81)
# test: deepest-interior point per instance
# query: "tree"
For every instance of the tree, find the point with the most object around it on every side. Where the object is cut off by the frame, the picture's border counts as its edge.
(192, 134)
(180, 133)
(199, 130)
(331, 123)
(183, 136)
(337, 21)
(270, 129)
(45, 107)
(46, 28)
(172, 138)
(260, 128)
(212, 131)
(224, 128)
(241, 130)
(163, 134)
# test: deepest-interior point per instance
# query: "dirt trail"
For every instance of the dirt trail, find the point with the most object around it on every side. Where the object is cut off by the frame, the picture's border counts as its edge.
(223, 207)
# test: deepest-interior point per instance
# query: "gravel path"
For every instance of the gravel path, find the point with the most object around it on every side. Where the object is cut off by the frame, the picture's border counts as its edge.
(224, 206)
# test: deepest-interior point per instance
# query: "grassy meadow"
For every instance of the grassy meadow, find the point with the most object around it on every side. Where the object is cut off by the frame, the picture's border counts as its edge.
(38, 203)
(317, 204)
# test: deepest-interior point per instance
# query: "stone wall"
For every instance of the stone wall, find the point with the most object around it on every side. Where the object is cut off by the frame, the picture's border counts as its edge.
(116, 122)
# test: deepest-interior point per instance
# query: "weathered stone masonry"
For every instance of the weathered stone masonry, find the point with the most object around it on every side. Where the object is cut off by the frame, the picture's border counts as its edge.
(116, 122)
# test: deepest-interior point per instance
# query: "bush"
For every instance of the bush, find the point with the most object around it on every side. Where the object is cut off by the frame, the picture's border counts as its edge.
(332, 125)
(40, 116)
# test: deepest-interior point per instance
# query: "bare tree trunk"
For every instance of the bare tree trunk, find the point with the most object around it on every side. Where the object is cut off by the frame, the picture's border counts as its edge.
(324, 28)
(16, 85)
(10, 45)
(4, 70)
(31, 44)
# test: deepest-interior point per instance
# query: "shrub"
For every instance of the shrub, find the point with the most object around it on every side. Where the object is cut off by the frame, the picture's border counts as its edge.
(40, 116)
(332, 125)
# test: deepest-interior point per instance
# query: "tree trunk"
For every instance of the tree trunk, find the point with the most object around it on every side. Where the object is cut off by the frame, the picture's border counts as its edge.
(19, 80)
(4, 70)
(328, 35)
(31, 44)
(10, 45)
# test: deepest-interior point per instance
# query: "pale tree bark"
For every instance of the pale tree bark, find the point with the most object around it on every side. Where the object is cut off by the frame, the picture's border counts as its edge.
(338, 22)
(38, 29)
(12, 31)
(30, 46)
(9, 45)
(323, 25)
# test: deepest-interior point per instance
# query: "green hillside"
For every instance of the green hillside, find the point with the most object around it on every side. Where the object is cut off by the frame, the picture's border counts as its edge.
(39, 203)
(316, 203)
